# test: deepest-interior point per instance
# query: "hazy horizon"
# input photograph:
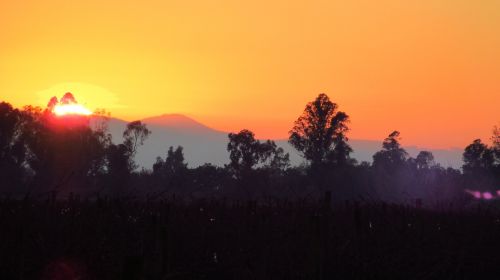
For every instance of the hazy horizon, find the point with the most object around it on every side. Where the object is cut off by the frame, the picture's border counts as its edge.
(421, 146)
(203, 144)
(427, 69)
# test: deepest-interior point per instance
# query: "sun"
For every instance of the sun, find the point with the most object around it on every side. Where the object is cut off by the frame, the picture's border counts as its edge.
(90, 98)
(71, 109)
(67, 106)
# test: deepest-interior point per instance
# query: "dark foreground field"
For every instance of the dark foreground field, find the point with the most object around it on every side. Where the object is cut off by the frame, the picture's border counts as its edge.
(124, 239)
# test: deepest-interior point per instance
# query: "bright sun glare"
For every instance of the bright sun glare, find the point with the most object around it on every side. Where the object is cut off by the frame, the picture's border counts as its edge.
(71, 109)
(89, 96)
(67, 106)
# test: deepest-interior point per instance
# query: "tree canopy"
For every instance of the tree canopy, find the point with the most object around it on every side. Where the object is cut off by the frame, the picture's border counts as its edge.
(320, 133)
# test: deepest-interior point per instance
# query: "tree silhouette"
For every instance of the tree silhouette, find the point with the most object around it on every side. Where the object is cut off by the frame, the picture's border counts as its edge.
(40, 149)
(52, 103)
(67, 98)
(495, 139)
(245, 153)
(172, 170)
(392, 155)
(12, 146)
(62, 152)
(478, 158)
(118, 164)
(424, 160)
(209, 179)
(134, 136)
(479, 166)
(319, 133)
(120, 157)
(274, 157)
(174, 162)
(391, 175)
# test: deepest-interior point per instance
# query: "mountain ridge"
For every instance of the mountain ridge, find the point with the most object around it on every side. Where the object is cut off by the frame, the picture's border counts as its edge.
(203, 144)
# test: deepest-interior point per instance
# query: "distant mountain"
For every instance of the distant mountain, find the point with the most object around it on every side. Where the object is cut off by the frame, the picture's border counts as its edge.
(203, 144)
(179, 122)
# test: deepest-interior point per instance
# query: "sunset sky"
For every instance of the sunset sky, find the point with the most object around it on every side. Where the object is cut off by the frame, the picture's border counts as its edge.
(430, 69)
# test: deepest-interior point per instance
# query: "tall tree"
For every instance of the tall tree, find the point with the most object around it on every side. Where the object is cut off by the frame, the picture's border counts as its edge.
(479, 167)
(244, 151)
(173, 164)
(320, 133)
(495, 139)
(173, 171)
(134, 136)
(12, 146)
(120, 157)
(118, 164)
(391, 175)
(478, 158)
(392, 155)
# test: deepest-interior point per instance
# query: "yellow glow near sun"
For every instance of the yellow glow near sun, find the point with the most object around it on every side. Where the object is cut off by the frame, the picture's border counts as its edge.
(71, 109)
(89, 97)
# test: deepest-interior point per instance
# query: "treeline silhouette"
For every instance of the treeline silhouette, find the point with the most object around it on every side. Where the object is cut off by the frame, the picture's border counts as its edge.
(75, 205)
(42, 154)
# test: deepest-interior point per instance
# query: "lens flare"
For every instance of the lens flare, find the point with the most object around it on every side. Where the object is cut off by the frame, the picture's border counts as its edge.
(487, 195)
(71, 109)
(483, 195)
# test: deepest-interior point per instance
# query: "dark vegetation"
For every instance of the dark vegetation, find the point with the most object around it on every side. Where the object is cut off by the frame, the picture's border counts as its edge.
(222, 239)
(74, 203)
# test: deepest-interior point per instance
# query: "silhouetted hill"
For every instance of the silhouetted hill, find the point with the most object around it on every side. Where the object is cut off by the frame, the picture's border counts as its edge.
(179, 122)
(203, 144)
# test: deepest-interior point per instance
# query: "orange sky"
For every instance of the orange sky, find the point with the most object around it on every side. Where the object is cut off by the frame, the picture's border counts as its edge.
(430, 69)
